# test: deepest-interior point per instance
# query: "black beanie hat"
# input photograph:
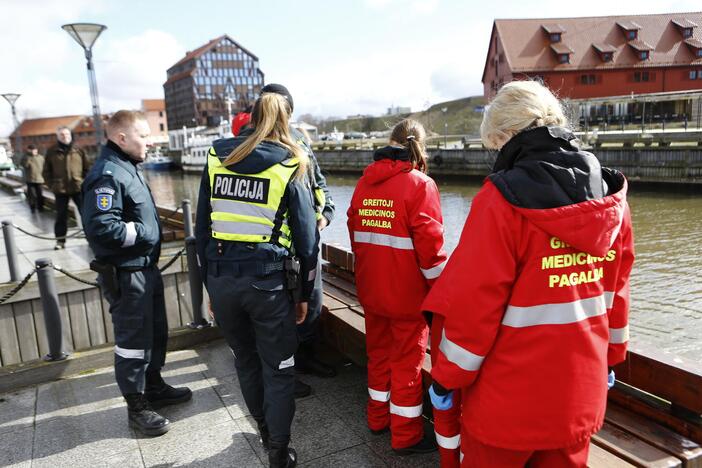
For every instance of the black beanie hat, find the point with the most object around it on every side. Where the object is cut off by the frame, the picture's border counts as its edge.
(279, 89)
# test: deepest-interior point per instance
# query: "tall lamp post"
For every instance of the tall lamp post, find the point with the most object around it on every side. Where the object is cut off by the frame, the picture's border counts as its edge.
(444, 109)
(12, 98)
(85, 35)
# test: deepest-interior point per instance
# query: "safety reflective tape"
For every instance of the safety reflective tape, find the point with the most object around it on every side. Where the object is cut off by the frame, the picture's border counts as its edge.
(386, 240)
(129, 353)
(406, 411)
(130, 234)
(609, 299)
(619, 335)
(245, 209)
(461, 357)
(378, 395)
(555, 314)
(289, 362)
(460, 457)
(450, 443)
(312, 275)
(433, 272)
(239, 227)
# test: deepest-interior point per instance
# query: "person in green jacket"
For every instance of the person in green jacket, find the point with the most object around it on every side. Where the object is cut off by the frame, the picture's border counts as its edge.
(33, 165)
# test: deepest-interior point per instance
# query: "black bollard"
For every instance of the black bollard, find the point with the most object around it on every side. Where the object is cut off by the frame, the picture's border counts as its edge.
(50, 304)
(188, 218)
(196, 296)
(8, 233)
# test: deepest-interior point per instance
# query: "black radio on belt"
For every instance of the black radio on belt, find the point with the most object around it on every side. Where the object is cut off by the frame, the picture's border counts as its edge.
(108, 276)
(291, 266)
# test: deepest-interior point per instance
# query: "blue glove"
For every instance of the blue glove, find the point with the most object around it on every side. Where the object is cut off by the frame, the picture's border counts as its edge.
(441, 402)
(610, 380)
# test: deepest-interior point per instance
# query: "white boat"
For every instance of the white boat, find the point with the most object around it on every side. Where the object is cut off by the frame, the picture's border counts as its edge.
(156, 161)
(194, 158)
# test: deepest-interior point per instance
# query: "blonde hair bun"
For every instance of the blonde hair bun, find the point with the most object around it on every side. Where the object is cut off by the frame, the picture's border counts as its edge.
(519, 105)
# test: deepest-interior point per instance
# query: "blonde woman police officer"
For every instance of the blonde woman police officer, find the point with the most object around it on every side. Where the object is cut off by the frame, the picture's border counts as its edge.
(254, 212)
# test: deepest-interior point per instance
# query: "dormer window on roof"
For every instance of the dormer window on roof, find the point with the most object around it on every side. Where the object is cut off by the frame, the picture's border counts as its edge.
(605, 51)
(642, 49)
(562, 51)
(554, 32)
(631, 29)
(686, 27)
(695, 46)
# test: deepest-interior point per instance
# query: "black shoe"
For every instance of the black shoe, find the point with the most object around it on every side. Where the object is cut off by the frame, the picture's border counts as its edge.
(378, 432)
(282, 457)
(143, 418)
(310, 365)
(302, 389)
(160, 394)
(426, 445)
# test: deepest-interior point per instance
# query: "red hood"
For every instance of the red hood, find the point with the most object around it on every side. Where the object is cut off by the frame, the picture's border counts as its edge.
(382, 170)
(590, 226)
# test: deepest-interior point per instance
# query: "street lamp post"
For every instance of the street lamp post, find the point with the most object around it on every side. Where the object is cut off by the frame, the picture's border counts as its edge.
(85, 34)
(444, 109)
(12, 98)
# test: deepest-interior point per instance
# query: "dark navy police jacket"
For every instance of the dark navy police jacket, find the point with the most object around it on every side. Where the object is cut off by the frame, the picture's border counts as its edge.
(301, 218)
(119, 214)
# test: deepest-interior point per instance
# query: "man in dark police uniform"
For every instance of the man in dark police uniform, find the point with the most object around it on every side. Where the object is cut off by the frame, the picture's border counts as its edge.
(123, 229)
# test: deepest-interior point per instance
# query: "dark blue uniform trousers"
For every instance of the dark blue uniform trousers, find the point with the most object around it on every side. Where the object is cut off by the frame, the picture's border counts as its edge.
(307, 330)
(140, 326)
(257, 318)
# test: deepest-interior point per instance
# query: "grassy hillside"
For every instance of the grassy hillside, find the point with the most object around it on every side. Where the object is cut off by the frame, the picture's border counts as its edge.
(460, 115)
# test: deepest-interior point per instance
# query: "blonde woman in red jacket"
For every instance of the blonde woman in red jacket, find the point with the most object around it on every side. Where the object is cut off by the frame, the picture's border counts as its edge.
(536, 295)
(396, 231)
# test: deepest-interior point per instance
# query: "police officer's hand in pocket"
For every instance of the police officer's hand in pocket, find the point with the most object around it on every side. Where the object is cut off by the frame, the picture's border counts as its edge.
(300, 312)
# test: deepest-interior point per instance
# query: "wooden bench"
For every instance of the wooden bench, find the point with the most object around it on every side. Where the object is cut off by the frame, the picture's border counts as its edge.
(653, 414)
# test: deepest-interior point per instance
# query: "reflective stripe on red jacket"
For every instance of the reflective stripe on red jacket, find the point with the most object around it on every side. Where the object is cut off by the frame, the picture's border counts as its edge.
(396, 232)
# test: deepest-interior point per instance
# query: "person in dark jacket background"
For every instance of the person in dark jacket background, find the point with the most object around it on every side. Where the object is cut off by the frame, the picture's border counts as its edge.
(65, 167)
(254, 209)
(123, 229)
(33, 165)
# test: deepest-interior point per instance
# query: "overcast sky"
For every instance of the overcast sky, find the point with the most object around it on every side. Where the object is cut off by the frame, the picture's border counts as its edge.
(336, 57)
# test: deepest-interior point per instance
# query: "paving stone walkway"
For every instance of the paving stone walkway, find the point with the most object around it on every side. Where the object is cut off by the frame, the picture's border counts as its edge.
(81, 422)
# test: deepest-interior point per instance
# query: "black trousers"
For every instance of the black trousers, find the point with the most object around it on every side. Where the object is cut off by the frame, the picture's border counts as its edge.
(35, 196)
(257, 318)
(140, 325)
(61, 225)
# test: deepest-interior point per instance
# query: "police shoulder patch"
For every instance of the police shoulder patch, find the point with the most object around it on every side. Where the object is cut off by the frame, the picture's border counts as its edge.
(104, 201)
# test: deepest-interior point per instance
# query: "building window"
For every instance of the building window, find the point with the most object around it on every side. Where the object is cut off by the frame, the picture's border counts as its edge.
(588, 79)
(699, 52)
(563, 58)
(160, 126)
(555, 37)
(631, 35)
(693, 74)
(687, 32)
(160, 113)
(607, 57)
(643, 55)
(642, 77)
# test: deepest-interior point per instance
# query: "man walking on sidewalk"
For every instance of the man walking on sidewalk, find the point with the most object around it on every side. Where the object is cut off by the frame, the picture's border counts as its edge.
(65, 166)
(33, 165)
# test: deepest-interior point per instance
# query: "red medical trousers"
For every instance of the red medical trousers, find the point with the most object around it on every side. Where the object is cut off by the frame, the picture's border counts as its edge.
(396, 350)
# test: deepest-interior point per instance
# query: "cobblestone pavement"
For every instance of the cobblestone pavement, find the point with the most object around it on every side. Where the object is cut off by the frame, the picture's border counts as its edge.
(82, 422)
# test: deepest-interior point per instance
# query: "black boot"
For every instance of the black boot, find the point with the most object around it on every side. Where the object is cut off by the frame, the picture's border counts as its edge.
(426, 445)
(282, 457)
(264, 435)
(160, 394)
(306, 362)
(302, 389)
(143, 418)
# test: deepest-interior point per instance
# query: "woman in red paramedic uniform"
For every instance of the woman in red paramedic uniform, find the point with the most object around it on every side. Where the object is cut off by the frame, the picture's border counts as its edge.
(535, 297)
(396, 231)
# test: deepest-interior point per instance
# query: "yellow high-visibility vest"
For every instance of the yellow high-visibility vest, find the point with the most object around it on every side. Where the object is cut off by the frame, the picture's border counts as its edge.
(247, 207)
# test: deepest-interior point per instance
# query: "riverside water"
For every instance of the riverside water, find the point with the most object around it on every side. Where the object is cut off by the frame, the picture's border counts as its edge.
(666, 283)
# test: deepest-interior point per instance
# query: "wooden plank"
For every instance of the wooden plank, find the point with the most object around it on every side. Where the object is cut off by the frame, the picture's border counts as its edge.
(655, 434)
(79, 320)
(341, 283)
(340, 295)
(107, 317)
(9, 347)
(651, 370)
(96, 321)
(170, 292)
(40, 327)
(184, 298)
(66, 331)
(632, 449)
(331, 303)
(600, 458)
(26, 333)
